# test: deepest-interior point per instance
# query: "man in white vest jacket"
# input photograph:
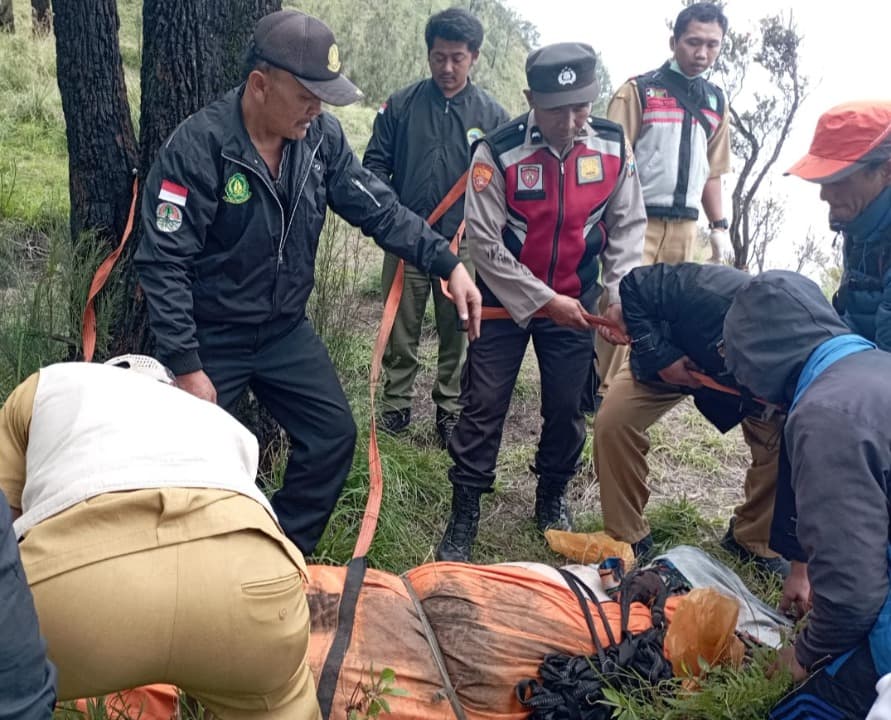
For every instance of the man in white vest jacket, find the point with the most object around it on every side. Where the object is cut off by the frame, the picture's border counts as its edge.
(150, 552)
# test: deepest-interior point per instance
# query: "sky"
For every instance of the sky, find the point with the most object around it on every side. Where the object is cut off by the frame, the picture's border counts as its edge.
(844, 52)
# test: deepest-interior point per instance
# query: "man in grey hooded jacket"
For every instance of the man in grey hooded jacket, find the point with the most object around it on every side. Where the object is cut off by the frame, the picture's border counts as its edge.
(838, 440)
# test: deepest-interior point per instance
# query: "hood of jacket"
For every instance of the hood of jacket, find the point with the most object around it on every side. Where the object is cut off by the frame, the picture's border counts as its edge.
(773, 325)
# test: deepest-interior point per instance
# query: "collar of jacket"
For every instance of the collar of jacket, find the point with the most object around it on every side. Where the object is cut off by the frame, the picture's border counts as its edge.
(237, 143)
(534, 138)
(697, 87)
(459, 98)
(826, 354)
(873, 221)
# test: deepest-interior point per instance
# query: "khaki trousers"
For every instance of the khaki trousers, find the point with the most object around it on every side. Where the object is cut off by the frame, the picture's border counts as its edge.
(401, 356)
(621, 446)
(666, 242)
(224, 618)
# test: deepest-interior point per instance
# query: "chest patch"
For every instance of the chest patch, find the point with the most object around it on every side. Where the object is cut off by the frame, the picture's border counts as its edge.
(529, 177)
(238, 190)
(589, 169)
(474, 134)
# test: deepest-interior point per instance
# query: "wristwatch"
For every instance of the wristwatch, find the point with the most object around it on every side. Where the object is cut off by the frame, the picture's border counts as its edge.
(721, 224)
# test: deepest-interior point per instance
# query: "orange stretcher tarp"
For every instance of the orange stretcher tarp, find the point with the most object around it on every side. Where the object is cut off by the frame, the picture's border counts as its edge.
(152, 702)
(493, 624)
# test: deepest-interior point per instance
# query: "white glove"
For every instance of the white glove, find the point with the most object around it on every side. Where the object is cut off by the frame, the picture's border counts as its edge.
(722, 250)
(881, 710)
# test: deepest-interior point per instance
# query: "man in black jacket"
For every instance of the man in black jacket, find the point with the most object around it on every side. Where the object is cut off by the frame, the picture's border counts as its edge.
(232, 210)
(421, 146)
(786, 344)
(675, 317)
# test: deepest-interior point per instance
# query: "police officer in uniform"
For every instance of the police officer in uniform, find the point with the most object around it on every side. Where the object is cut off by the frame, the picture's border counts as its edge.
(550, 194)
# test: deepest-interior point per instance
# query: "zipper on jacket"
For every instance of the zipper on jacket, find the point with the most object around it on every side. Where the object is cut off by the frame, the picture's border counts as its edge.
(448, 101)
(553, 266)
(281, 245)
(358, 184)
(263, 179)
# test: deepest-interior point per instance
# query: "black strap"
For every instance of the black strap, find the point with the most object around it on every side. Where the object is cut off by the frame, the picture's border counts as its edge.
(346, 614)
(683, 96)
(576, 586)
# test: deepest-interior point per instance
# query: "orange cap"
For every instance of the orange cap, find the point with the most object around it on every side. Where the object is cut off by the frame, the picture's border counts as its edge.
(845, 137)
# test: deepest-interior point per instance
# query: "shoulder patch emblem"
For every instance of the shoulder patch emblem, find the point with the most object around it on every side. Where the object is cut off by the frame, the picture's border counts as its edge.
(238, 190)
(481, 176)
(474, 134)
(589, 169)
(168, 217)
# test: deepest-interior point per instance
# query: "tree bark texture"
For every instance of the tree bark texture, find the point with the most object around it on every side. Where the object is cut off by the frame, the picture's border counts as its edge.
(101, 142)
(41, 17)
(192, 51)
(7, 19)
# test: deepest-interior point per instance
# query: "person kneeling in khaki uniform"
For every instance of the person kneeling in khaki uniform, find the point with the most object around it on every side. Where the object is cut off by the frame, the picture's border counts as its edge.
(675, 317)
(151, 553)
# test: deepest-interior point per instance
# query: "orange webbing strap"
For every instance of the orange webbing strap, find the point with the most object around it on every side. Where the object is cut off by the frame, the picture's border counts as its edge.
(714, 384)
(375, 472)
(88, 333)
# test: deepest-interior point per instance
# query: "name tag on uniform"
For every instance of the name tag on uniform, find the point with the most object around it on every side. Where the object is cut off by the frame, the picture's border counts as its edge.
(529, 178)
(589, 169)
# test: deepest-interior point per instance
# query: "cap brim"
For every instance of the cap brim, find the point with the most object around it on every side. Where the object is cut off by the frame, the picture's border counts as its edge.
(338, 92)
(547, 101)
(823, 170)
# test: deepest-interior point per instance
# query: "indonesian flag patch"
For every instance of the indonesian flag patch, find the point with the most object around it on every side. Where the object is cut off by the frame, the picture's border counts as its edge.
(171, 192)
(481, 175)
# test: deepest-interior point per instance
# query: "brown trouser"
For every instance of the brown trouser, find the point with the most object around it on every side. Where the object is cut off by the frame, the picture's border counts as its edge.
(666, 242)
(621, 446)
(225, 618)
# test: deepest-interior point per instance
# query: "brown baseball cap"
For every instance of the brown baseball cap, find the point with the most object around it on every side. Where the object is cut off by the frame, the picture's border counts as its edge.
(562, 74)
(304, 46)
(847, 137)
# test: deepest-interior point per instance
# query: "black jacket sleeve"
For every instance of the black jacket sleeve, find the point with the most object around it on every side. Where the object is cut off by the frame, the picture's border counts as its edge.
(838, 465)
(650, 298)
(363, 200)
(164, 259)
(379, 154)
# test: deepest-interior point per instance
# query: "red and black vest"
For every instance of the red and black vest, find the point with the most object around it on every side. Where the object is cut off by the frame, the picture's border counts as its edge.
(555, 207)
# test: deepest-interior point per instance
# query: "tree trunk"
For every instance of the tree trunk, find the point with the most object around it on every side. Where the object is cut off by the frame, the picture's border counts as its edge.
(7, 19)
(101, 142)
(41, 17)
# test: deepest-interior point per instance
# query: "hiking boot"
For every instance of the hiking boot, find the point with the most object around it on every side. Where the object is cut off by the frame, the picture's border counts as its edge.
(393, 422)
(551, 511)
(445, 424)
(460, 533)
(776, 565)
(643, 549)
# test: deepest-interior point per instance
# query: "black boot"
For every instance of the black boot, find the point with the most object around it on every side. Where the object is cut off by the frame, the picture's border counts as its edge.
(551, 511)
(460, 533)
